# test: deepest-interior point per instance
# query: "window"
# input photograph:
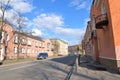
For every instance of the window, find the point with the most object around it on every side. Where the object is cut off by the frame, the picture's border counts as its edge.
(36, 51)
(36, 44)
(103, 10)
(16, 39)
(40, 45)
(33, 51)
(95, 2)
(7, 38)
(2, 40)
(28, 51)
(23, 41)
(23, 50)
(48, 45)
(29, 42)
(15, 50)
(6, 49)
(3, 33)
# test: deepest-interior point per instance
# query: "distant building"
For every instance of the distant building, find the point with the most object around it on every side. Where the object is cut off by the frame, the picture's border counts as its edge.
(102, 38)
(60, 47)
(48, 47)
(75, 48)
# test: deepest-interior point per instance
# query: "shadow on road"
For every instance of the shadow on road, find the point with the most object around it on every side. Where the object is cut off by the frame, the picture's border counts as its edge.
(68, 60)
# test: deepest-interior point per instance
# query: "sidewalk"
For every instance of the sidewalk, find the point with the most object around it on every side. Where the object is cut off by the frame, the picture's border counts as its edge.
(90, 71)
(86, 63)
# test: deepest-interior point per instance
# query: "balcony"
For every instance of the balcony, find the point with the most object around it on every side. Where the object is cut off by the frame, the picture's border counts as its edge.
(24, 43)
(29, 43)
(101, 20)
(16, 41)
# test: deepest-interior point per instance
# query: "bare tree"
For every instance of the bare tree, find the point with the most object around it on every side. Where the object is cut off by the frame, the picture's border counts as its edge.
(56, 46)
(20, 23)
(3, 9)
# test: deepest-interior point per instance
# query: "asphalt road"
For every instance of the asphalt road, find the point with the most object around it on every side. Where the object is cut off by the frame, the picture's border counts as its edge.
(51, 69)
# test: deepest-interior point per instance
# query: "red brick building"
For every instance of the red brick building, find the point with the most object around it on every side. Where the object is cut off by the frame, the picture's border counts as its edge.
(102, 38)
(14, 44)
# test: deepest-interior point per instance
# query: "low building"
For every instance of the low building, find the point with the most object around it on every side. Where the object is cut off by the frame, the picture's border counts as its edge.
(60, 47)
(21, 45)
(49, 47)
(75, 49)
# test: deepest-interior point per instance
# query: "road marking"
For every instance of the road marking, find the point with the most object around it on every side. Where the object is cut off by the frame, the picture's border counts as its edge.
(20, 67)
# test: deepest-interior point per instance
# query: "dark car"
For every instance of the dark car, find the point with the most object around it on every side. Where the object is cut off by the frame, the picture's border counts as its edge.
(42, 56)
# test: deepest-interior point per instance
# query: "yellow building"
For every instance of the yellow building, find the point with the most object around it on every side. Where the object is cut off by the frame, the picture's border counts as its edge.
(60, 47)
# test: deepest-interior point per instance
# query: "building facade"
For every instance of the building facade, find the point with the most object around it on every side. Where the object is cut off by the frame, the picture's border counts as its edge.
(63, 47)
(21, 45)
(60, 47)
(49, 47)
(75, 49)
(101, 41)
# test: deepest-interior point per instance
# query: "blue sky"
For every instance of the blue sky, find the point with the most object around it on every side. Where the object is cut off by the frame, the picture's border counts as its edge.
(62, 19)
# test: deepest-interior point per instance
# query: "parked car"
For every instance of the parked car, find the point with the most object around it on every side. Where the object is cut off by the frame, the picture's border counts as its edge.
(42, 56)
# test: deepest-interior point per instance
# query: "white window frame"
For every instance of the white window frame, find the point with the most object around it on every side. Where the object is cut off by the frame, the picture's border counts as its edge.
(7, 37)
(23, 50)
(48, 45)
(33, 51)
(28, 50)
(16, 39)
(103, 10)
(29, 42)
(15, 50)
(2, 40)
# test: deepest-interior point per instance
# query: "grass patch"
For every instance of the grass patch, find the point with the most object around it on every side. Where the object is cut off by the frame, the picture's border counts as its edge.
(18, 61)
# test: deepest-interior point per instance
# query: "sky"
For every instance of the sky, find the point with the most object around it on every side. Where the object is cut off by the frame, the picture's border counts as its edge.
(61, 19)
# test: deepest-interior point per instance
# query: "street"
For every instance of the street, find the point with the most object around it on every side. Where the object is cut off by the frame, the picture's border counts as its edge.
(52, 69)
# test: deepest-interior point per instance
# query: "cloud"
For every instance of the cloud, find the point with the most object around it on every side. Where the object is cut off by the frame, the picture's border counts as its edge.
(73, 36)
(79, 4)
(70, 32)
(37, 32)
(15, 6)
(22, 6)
(52, 25)
(55, 23)
(48, 21)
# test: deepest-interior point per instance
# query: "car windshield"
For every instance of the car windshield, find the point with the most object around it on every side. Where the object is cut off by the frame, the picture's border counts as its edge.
(41, 54)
